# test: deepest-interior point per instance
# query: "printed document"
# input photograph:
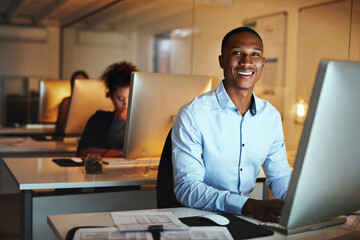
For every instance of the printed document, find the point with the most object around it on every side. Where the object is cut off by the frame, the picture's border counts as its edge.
(112, 233)
(140, 221)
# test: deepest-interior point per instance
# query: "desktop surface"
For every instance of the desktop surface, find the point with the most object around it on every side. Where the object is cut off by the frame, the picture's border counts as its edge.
(28, 130)
(61, 224)
(43, 173)
(28, 147)
(44, 184)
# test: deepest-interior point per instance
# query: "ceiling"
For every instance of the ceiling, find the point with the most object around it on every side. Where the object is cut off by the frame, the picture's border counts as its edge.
(49, 12)
(91, 13)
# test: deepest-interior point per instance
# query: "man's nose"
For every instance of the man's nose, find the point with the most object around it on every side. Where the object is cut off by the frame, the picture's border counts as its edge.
(245, 59)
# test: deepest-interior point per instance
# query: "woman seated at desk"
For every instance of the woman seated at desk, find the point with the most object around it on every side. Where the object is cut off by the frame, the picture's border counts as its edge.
(105, 131)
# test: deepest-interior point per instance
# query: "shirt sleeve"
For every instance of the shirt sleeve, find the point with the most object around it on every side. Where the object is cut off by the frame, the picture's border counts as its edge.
(189, 170)
(276, 166)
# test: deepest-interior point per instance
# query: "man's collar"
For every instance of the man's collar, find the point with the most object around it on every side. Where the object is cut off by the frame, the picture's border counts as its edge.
(225, 101)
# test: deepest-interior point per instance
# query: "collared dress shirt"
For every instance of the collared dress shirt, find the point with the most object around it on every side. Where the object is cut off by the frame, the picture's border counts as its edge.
(218, 153)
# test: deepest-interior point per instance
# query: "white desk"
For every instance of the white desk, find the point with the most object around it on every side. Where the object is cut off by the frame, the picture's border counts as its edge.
(61, 224)
(117, 188)
(28, 131)
(27, 147)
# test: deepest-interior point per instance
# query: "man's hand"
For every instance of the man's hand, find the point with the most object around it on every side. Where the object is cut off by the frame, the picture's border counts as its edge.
(263, 210)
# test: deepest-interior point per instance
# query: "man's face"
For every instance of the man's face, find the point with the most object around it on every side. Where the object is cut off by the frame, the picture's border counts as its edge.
(242, 61)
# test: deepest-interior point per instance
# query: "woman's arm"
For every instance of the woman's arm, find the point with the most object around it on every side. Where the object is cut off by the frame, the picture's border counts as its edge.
(101, 151)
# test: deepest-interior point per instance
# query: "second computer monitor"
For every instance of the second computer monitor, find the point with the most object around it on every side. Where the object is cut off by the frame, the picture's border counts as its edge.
(154, 101)
(89, 95)
(51, 93)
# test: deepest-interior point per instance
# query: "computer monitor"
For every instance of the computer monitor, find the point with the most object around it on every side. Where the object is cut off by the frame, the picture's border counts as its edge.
(325, 181)
(51, 93)
(154, 101)
(89, 95)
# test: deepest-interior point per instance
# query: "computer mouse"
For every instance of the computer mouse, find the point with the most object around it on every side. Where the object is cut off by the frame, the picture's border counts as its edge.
(216, 218)
(77, 160)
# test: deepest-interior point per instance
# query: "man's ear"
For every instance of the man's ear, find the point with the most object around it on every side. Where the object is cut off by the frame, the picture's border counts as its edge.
(107, 94)
(221, 61)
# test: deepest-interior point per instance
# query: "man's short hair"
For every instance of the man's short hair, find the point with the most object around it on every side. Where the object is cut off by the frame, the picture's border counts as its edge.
(236, 31)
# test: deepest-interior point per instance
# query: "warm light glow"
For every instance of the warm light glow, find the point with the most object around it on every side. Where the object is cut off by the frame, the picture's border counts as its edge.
(299, 111)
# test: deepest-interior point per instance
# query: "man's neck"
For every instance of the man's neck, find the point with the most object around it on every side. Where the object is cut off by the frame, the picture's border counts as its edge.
(241, 98)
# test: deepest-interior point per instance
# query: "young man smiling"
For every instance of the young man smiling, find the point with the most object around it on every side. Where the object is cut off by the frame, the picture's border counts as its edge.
(222, 138)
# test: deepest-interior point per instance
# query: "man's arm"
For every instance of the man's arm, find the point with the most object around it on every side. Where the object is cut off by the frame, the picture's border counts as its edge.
(104, 152)
(276, 165)
(278, 173)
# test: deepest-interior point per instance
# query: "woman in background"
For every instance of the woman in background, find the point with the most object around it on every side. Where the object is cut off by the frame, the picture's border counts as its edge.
(105, 131)
(65, 103)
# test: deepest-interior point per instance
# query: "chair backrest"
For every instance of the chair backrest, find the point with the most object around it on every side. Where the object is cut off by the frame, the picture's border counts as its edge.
(165, 183)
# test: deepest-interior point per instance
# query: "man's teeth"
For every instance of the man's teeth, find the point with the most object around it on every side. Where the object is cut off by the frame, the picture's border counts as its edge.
(245, 73)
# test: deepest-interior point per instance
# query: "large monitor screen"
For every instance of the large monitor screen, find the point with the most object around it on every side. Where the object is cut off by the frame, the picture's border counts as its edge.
(325, 182)
(51, 93)
(88, 96)
(154, 101)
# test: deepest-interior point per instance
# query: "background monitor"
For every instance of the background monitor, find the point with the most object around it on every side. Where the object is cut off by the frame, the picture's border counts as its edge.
(89, 95)
(51, 93)
(154, 101)
(325, 182)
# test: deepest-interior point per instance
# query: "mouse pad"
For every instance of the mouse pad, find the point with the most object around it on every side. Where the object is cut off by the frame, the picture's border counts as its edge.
(238, 227)
(66, 162)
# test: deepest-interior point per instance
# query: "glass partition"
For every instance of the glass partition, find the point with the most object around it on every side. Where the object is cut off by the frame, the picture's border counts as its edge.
(153, 35)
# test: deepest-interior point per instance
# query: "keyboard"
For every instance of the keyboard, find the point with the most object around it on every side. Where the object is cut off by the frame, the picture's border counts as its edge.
(121, 161)
(273, 226)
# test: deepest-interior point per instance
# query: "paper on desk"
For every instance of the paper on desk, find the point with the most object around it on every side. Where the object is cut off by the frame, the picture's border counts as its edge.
(140, 221)
(109, 233)
(112, 233)
(202, 233)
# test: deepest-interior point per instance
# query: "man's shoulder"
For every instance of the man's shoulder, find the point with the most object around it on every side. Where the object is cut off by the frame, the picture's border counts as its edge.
(202, 100)
(263, 104)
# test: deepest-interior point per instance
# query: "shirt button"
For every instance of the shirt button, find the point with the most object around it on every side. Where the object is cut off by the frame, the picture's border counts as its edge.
(243, 145)
(240, 169)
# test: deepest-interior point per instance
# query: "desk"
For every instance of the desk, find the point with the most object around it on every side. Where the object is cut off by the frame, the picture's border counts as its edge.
(117, 188)
(61, 224)
(27, 147)
(34, 129)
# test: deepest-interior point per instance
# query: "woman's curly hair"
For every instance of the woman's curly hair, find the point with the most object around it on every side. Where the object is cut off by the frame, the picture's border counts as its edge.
(118, 75)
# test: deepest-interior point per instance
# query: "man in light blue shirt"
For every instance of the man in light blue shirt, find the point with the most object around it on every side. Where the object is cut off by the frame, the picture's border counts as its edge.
(222, 138)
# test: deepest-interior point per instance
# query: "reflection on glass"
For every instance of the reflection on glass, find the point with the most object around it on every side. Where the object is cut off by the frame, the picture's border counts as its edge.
(162, 53)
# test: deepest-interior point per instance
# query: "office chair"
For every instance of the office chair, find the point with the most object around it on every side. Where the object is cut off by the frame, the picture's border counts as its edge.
(165, 183)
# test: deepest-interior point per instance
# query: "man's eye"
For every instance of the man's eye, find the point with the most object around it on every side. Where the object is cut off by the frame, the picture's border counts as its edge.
(236, 53)
(256, 54)
(121, 99)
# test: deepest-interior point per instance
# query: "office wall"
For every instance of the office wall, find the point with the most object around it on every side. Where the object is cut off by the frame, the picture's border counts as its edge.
(93, 51)
(27, 51)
